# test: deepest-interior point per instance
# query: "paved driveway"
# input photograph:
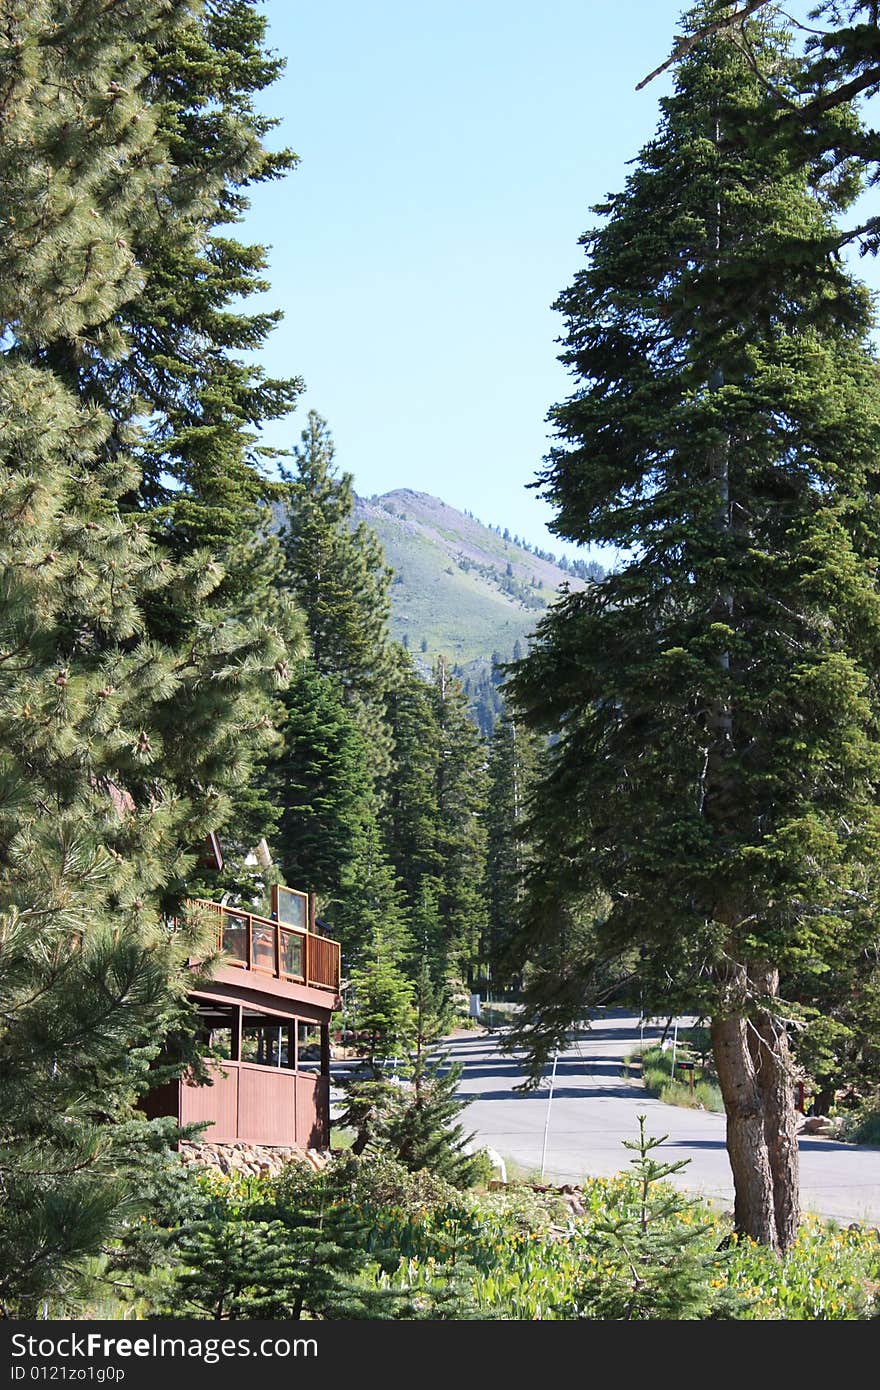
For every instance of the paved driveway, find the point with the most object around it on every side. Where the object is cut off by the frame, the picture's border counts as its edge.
(594, 1108)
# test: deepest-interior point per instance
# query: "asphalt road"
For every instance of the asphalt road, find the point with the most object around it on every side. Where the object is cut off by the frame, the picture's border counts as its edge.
(594, 1108)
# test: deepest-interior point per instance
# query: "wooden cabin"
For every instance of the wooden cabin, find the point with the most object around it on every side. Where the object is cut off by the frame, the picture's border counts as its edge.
(266, 1012)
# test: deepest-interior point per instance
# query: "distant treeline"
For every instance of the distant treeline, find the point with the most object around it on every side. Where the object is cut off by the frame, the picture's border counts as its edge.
(588, 570)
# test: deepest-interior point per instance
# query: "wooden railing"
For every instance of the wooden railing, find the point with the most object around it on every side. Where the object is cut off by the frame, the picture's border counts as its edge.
(256, 943)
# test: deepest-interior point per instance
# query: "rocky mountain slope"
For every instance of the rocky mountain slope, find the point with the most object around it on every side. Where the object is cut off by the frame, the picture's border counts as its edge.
(461, 588)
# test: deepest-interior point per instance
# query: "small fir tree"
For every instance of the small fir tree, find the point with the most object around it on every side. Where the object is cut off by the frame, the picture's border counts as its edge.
(423, 1129)
(646, 1262)
(287, 1250)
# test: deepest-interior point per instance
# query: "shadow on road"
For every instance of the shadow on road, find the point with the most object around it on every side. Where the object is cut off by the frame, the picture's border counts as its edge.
(559, 1093)
(610, 1066)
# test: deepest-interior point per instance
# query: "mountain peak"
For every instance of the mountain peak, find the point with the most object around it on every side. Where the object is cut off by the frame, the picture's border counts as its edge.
(461, 588)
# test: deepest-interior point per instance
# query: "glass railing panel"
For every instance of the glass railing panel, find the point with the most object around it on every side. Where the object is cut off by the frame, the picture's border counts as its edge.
(292, 908)
(291, 953)
(263, 947)
(234, 937)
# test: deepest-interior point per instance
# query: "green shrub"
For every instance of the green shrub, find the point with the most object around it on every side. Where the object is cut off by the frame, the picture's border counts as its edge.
(658, 1081)
(709, 1096)
(654, 1080)
(376, 1182)
(862, 1126)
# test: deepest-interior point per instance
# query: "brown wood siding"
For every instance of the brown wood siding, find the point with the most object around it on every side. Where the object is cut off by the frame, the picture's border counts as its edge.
(260, 1105)
(161, 1101)
(312, 1111)
(218, 1103)
(266, 1105)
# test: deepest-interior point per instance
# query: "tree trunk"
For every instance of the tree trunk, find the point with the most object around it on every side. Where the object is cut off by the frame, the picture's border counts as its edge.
(754, 1213)
(771, 1057)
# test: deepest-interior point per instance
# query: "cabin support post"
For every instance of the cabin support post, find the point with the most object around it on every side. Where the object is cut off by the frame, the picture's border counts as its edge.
(235, 1029)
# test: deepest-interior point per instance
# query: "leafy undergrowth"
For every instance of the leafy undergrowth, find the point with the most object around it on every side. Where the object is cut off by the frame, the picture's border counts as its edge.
(527, 1258)
(522, 1273)
(367, 1238)
(862, 1127)
(656, 1063)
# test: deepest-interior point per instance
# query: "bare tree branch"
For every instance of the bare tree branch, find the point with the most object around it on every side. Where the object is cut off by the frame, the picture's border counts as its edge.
(684, 43)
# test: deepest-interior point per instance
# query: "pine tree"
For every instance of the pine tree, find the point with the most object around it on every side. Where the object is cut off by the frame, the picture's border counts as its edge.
(812, 112)
(514, 756)
(337, 575)
(166, 352)
(382, 996)
(324, 786)
(203, 475)
(460, 840)
(205, 481)
(648, 1262)
(838, 1045)
(716, 750)
(119, 751)
(379, 1004)
(202, 481)
(286, 1250)
(423, 1129)
(409, 791)
(433, 800)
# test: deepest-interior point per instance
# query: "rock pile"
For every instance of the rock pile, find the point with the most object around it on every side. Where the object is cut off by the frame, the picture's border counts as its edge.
(253, 1160)
(818, 1124)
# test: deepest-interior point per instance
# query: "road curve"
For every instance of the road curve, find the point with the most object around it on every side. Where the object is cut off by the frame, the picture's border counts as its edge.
(595, 1108)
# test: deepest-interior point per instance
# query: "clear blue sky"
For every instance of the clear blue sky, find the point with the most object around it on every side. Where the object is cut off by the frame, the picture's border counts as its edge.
(450, 154)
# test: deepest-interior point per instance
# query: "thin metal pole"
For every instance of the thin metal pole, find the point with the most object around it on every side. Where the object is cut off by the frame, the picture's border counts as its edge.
(549, 1103)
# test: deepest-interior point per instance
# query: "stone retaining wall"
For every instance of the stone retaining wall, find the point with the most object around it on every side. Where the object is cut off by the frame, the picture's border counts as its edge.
(254, 1160)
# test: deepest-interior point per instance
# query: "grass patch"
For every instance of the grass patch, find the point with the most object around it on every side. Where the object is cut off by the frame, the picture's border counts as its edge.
(518, 1173)
(499, 1015)
(659, 1081)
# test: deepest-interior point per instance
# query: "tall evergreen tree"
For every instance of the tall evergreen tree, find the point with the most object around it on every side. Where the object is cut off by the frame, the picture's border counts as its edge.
(201, 482)
(513, 760)
(716, 756)
(202, 466)
(432, 816)
(323, 784)
(460, 837)
(119, 752)
(337, 574)
(123, 741)
(192, 345)
(812, 112)
(167, 350)
(409, 791)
